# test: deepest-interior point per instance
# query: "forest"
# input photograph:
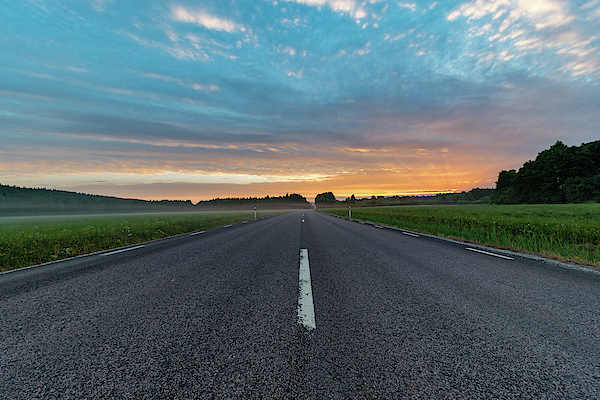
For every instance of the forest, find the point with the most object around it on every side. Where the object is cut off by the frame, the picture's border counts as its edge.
(558, 175)
(265, 203)
(16, 201)
(474, 196)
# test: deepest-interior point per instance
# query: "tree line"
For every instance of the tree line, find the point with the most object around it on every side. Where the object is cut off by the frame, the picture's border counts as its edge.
(474, 196)
(560, 174)
(293, 200)
(16, 201)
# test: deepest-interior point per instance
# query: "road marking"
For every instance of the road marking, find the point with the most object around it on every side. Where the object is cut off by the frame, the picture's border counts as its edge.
(306, 308)
(227, 226)
(410, 234)
(303, 220)
(490, 254)
(245, 222)
(197, 233)
(122, 250)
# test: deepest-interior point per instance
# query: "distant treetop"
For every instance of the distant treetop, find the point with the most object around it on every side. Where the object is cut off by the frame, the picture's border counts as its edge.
(326, 198)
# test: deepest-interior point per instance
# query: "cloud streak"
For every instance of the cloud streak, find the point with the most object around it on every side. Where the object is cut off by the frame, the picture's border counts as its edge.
(205, 20)
(533, 26)
(351, 7)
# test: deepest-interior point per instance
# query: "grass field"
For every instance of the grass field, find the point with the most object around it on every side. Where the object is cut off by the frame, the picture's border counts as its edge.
(568, 232)
(28, 241)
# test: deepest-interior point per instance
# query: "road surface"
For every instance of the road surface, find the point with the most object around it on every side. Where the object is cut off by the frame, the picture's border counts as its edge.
(216, 315)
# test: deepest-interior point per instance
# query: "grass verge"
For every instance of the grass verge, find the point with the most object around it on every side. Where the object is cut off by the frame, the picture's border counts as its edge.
(28, 241)
(566, 232)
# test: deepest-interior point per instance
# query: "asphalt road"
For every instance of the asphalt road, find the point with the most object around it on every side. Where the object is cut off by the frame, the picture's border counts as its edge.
(215, 315)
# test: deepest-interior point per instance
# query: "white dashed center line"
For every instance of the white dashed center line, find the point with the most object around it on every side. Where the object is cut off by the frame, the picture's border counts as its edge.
(306, 309)
(196, 233)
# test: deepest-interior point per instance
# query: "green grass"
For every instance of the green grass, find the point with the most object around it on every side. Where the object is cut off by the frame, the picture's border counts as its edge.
(568, 232)
(28, 241)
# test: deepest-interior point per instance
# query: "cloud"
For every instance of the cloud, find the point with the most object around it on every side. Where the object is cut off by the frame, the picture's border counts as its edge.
(395, 37)
(296, 74)
(589, 4)
(206, 20)
(74, 69)
(410, 6)
(364, 50)
(99, 4)
(542, 13)
(352, 7)
(208, 88)
(195, 86)
(25, 95)
(117, 90)
(532, 26)
(295, 22)
(289, 50)
(209, 45)
(595, 14)
(176, 50)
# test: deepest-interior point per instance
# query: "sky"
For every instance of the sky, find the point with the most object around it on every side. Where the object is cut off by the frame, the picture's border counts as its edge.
(227, 98)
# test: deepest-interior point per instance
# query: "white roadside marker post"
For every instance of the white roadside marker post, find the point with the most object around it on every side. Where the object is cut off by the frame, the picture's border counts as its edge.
(254, 212)
(349, 211)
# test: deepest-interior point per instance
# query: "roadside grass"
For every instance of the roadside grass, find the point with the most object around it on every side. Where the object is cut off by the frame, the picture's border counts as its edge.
(566, 232)
(26, 241)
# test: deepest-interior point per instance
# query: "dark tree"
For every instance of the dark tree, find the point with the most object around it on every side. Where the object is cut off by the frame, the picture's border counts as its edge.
(503, 193)
(560, 174)
(325, 199)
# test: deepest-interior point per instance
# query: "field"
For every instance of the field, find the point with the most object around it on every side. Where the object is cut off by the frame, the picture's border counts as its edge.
(28, 241)
(567, 232)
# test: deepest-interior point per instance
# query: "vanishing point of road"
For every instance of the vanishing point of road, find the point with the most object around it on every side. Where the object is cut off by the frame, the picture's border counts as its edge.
(300, 305)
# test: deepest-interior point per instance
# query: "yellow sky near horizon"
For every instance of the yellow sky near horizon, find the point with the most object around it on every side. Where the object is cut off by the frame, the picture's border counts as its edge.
(152, 187)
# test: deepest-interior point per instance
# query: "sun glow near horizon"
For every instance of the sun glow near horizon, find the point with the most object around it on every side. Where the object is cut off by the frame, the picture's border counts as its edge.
(197, 187)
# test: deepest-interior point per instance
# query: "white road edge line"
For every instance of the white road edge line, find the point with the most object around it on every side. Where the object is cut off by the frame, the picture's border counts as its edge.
(410, 234)
(306, 308)
(566, 265)
(122, 250)
(197, 233)
(490, 254)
